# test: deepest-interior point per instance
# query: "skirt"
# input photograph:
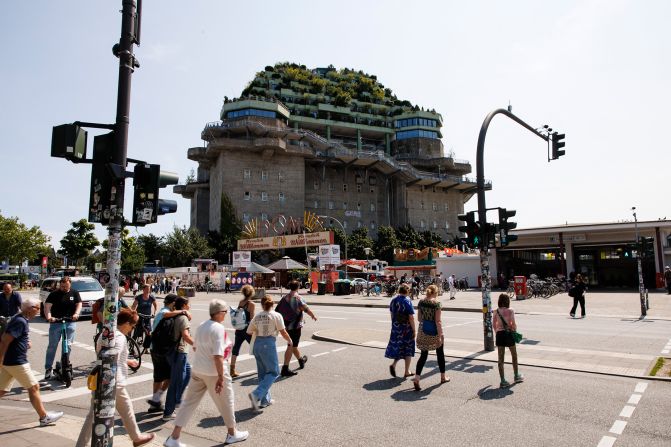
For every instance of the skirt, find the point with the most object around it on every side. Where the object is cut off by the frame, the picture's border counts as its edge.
(505, 338)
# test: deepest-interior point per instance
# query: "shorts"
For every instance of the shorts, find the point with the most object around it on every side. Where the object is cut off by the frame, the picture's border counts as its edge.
(21, 373)
(161, 367)
(240, 337)
(505, 339)
(295, 335)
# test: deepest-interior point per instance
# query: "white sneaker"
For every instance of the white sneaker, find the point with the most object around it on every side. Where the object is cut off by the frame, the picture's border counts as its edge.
(50, 418)
(172, 442)
(267, 404)
(255, 402)
(237, 437)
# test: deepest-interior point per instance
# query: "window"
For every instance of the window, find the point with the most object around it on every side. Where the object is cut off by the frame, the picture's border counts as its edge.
(358, 206)
(372, 206)
(415, 122)
(279, 177)
(247, 173)
(358, 188)
(447, 225)
(358, 179)
(434, 206)
(405, 134)
(245, 217)
(315, 184)
(372, 180)
(264, 217)
(433, 189)
(316, 204)
(421, 205)
(344, 205)
(447, 207)
(372, 190)
(358, 224)
(435, 224)
(280, 197)
(248, 195)
(264, 175)
(331, 187)
(331, 205)
(264, 196)
(344, 187)
(372, 225)
(250, 112)
(344, 224)
(422, 224)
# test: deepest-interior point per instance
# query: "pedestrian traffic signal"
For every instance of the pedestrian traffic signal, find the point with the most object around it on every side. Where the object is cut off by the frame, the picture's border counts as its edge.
(505, 226)
(107, 188)
(148, 179)
(471, 229)
(557, 144)
(69, 141)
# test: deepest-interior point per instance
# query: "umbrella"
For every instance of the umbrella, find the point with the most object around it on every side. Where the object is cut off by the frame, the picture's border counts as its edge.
(257, 268)
(286, 263)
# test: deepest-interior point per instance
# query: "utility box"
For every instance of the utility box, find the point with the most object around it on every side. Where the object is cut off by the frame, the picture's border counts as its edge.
(520, 283)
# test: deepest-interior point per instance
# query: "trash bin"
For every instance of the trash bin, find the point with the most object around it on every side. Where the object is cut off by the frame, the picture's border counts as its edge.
(321, 288)
(345, 287)
(187, 292)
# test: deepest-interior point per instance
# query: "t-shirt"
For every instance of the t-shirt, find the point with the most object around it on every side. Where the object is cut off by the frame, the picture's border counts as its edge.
(509, 315)
(10, 306)
(181, 323)
(210, 340)
(145, 307)
(121, 344)
(63, 304)
(298, 305)
(158, 317)
(17, 350)
(266, 324)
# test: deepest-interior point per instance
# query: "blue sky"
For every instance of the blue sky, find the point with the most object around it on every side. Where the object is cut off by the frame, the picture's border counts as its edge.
(596, 70)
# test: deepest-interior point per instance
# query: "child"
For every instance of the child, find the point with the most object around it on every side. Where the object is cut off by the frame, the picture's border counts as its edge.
(504, 326)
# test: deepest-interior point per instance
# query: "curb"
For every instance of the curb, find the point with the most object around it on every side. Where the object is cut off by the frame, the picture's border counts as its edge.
(317, 336)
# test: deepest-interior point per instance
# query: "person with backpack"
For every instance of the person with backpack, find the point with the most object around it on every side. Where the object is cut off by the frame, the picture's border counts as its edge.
(240, 319)
(210, 375)
(161, 347)
(14, 345)
(180, 370)
(265, 327)
(291, 307)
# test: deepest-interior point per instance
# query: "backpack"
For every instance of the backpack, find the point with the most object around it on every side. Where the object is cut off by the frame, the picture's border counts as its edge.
(163, 339)
(97, 307)
(238, 318)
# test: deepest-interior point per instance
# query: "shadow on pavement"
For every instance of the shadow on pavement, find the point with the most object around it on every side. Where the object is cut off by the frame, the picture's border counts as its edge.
(466, 366)
(488, 393)
(384, 384)
(410, 395)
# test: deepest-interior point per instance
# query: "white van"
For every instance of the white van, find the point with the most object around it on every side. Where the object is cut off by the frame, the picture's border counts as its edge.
(89, 290)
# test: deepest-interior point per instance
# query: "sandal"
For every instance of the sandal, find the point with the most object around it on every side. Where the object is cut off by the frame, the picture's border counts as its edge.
(447, 379)
(416, 385)
(149, 438)
(392, 370)
(408, 375)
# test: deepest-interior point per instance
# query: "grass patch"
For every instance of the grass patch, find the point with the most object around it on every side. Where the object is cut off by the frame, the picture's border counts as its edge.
(658, 365)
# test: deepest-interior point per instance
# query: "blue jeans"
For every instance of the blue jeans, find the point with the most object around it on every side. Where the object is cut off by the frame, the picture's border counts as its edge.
(180, 374)
(55, 338)
(267, 366)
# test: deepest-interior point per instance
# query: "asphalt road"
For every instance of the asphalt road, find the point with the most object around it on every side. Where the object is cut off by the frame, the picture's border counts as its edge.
(345, 396)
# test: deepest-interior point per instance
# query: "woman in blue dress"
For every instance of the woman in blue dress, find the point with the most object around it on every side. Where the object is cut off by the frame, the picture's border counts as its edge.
(402, 338)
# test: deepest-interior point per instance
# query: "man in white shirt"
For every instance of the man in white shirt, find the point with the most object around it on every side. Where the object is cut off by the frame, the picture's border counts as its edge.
(453, 288)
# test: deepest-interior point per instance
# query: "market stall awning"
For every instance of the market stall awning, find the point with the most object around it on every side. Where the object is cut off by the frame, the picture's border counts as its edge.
(257, 268)
(286, 263)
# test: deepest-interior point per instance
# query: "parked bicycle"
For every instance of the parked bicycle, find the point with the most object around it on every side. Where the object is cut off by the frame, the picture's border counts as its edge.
(63, 369)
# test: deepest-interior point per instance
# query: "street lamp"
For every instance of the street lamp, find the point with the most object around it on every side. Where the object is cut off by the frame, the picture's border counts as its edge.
(343, 230)
(368, 251)
(641, 287)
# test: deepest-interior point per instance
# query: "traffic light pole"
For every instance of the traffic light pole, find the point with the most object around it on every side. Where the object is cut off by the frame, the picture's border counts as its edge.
(639, 254)
(482, 218)
(105, 396)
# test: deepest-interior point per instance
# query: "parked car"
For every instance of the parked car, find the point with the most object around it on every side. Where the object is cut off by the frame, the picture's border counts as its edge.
(363, 282)
(89, 290)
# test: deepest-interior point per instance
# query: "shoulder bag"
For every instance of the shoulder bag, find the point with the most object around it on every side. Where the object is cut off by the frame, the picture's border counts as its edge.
(516, 335)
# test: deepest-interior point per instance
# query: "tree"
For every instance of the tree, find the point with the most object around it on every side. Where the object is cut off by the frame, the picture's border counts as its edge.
(408, 237)
(79, 241)
(431, 239)
(385, 244)
(152, 246)
(357, 241)
(225, 241)
(183, 246)
(18, 242)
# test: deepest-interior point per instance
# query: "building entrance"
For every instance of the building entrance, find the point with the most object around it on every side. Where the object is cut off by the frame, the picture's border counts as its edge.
(612, 266)
(544, 262)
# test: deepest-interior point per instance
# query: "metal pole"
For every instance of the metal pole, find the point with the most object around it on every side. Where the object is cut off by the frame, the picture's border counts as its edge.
(345, 233)
(482, 218)
(641, 287)
(105, 397)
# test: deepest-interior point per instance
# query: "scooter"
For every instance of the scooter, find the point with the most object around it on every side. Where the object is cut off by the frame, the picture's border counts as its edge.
(63, 369)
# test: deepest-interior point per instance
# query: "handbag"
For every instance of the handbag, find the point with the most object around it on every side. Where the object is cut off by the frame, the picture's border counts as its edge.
(429, 327)
(517, 337)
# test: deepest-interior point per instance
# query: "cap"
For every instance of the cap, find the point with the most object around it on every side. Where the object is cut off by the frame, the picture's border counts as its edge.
(217, 306)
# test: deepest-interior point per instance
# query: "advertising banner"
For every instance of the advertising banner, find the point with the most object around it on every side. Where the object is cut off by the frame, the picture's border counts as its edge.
(329, 254)
(286, 241)
(242, 259)
(239, 279)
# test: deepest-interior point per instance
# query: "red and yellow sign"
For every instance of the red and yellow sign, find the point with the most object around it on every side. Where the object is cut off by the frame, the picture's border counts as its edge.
(286, 241)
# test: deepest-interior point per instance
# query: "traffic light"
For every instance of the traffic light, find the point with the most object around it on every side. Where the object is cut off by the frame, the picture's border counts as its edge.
(557, 144)
(505, 226)
(69, 141)
(107, 188)
(472, 230)
(148, 179)
(646, 246)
